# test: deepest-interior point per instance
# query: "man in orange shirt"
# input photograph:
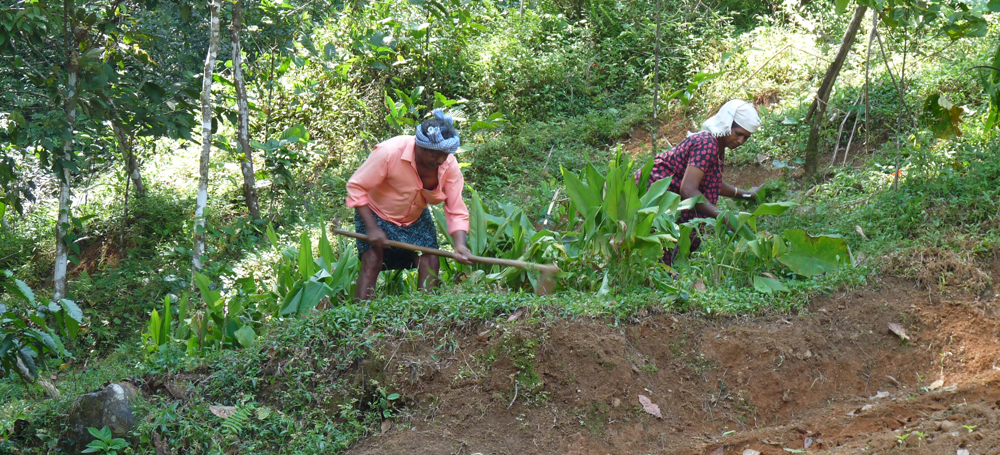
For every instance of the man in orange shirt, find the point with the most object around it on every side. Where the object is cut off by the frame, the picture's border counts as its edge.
(390, 193)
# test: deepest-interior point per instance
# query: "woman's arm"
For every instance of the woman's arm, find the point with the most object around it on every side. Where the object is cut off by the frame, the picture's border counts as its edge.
(734, 192)
(689, 189)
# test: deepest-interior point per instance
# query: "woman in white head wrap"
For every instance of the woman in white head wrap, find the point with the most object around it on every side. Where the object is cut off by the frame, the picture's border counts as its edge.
(696, 164)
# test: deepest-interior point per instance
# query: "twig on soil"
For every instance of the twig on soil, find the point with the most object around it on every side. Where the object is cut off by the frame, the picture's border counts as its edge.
(737, 421)
(515, 396)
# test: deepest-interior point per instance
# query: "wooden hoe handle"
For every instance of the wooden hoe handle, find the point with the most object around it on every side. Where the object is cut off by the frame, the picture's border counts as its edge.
(545, 268)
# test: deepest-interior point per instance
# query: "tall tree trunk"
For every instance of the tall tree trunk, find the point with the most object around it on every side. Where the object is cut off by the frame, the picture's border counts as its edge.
(206, 137)
(817, 111)
(656, 76)
(243, 133)
(128, 155)
(69, 106)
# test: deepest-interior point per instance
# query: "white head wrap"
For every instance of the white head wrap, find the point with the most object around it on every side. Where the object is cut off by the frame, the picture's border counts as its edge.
(741, 112)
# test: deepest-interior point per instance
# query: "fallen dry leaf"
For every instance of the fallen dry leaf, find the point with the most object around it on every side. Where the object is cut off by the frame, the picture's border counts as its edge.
(699, 286)
(649, 406)
(719, 451)
(898, 330)
(175, 390)
(515, 316)
(162, 448)
(860, 232)
(751, 452)
(223, 411)
(769, 275)
(386, 425)
(936, 384)
(878, 395)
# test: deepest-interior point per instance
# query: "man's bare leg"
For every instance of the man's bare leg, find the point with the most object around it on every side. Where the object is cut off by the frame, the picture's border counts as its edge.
(371, 265)
(428, 266)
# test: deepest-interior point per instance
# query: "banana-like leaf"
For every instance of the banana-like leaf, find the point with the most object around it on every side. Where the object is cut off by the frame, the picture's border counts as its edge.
(810, 256)
(768, 285)
(584, 198)
(306, 264)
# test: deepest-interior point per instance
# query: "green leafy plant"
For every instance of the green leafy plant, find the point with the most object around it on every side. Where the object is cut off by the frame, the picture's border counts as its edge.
(383, 403)
(105, 444)
(621, 220)
(745, 251)
(302, 280)
(33, 327)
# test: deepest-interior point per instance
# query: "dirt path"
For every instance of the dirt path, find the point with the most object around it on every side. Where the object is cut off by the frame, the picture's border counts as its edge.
(832, 379)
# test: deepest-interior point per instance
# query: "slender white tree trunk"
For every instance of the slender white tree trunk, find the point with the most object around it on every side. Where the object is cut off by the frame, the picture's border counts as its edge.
(62, 223)
(206, 136)
(243, 135)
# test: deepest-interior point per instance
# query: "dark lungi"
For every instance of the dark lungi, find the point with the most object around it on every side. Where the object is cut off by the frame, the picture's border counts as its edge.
(421, 233)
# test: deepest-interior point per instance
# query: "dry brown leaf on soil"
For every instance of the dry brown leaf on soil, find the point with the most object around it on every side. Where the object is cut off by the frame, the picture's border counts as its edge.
(936, 384)
(860, 232)
(880, 394)
(699, 286)
(223, 411)
(516, 315)
(386, 425)
(898, 330)
(751, 452)
(719, 451)
(649, 406)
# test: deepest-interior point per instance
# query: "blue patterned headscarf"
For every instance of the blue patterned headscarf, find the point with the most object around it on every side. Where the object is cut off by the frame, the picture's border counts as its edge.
(429, 137)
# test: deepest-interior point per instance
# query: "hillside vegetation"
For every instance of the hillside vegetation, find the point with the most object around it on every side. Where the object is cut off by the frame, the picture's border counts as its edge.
(115, 269)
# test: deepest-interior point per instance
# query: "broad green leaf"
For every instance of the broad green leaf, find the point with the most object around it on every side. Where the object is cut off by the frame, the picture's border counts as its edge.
(245, 336)
(272, 237)
(52, 343)
(656, 190)
(768, 285)
(290, 304)
(306, 264)
(582, 196)
(70, 308)
(812, 256)
(770, 208)
(594, 178)
(24, 291)
(205, 286)
(841, 6)
(325, 249)
(477, 225)
(312, 293)
(155, 325)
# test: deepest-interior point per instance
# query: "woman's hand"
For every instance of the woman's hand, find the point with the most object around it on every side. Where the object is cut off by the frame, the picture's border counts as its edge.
(378, 239)
(461, 249)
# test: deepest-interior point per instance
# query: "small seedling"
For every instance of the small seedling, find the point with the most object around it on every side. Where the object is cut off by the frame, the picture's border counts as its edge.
(970, 427)
(920, 436)
(901, 439)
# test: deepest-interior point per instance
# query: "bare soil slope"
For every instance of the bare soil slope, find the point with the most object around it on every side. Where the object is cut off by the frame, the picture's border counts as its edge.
(832, 379)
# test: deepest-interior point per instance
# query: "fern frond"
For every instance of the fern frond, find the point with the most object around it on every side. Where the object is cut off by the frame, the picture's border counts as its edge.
(238, 421)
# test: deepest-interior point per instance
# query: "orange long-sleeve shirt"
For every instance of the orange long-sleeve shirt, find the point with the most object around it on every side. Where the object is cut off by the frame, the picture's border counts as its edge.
(389, 184)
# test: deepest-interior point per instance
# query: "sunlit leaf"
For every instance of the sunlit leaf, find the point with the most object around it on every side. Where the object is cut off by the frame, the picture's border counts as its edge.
(810, 256)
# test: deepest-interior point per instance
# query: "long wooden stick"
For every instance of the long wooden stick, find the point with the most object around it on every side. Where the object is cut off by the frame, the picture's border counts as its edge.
(546, 269)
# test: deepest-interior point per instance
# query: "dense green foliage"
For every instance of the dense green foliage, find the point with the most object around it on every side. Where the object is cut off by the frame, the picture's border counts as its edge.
(554, 100)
